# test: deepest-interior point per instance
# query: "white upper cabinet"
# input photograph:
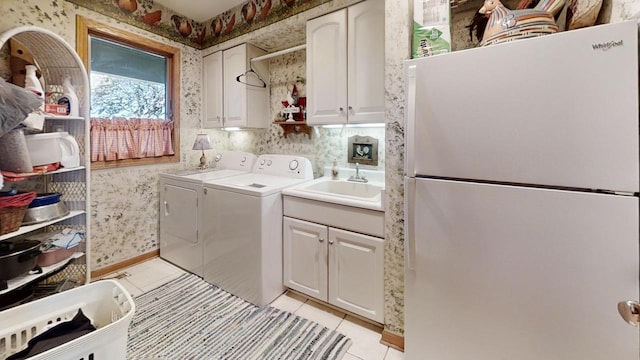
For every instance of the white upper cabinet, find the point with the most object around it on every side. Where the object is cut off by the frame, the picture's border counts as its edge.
(229, 102)
(345, 65)
(327, 69)
(212, 90)
(236, 99)
(365, 66)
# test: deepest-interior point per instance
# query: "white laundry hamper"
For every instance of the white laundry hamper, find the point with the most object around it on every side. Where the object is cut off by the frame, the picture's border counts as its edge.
(106, 303)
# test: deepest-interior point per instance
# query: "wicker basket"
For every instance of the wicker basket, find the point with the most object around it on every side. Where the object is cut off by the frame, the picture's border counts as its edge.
(12, 209)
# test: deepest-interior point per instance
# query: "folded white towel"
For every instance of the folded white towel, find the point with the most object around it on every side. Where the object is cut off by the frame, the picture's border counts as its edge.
(35, 121)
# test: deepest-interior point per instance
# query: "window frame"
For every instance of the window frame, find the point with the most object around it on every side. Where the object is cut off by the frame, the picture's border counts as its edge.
(86, 27)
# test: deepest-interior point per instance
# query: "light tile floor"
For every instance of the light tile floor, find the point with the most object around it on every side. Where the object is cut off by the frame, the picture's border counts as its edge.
(365, 337)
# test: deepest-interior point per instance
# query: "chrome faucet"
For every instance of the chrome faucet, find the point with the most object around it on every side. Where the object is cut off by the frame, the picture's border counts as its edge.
(357, 177)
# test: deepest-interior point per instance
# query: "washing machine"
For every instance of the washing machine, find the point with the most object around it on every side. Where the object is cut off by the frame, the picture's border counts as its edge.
(243, 235)
(181, 208)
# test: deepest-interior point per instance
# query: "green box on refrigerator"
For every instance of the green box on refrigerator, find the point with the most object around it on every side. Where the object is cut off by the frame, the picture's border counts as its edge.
(431, 28)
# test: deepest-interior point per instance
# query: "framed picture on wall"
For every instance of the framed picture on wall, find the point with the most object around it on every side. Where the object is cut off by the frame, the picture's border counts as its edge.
(363, 150)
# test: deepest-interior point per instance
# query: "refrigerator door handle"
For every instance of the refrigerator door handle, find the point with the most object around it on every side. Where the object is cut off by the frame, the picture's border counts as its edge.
(409, 121)
(409, 221)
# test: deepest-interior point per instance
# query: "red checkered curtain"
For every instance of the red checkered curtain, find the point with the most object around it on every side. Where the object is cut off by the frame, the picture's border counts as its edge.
(119, 138)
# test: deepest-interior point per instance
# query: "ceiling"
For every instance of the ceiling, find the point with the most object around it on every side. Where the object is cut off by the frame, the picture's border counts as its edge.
(200, 11)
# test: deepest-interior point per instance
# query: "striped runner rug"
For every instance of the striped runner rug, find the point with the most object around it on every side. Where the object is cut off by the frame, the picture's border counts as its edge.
(188, 318)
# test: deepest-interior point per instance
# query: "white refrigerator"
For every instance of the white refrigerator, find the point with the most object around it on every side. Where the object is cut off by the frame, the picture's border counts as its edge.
(521, 199)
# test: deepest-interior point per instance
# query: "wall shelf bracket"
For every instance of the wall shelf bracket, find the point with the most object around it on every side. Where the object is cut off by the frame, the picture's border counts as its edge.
(295, 127)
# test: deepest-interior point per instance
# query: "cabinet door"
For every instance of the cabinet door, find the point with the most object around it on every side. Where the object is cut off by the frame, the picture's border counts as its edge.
(327, 69)
(235, 95)
(305, 257)
(212, 98)
(365, 66)
(356, 265)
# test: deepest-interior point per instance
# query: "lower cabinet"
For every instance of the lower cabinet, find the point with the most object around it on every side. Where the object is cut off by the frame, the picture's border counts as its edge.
(340, 267)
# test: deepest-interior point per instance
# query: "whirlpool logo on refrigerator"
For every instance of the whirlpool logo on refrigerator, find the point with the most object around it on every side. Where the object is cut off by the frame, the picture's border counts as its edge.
(607, 46)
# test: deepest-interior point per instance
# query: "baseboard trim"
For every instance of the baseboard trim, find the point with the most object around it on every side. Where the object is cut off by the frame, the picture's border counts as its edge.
(392, 340)
(124, 264)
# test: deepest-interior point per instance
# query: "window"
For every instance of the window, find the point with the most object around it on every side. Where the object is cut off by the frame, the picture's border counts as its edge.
(134, 96)
(127, 82)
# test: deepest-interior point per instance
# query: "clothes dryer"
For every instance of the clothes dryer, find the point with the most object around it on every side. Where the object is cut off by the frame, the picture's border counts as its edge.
(180, 208)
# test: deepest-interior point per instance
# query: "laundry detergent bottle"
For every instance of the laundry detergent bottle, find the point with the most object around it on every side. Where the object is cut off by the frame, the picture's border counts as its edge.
(31, 81)
(69, 98)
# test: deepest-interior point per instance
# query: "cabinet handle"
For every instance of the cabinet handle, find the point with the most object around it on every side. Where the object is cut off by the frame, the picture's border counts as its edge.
(166, 208)
(350, 108)
(341, 109)
(330, 242)
(321, 239)
(205, 191)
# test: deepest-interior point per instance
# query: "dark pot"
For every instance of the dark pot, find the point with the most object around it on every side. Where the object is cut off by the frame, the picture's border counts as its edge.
(15, 298)
(18, 257)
